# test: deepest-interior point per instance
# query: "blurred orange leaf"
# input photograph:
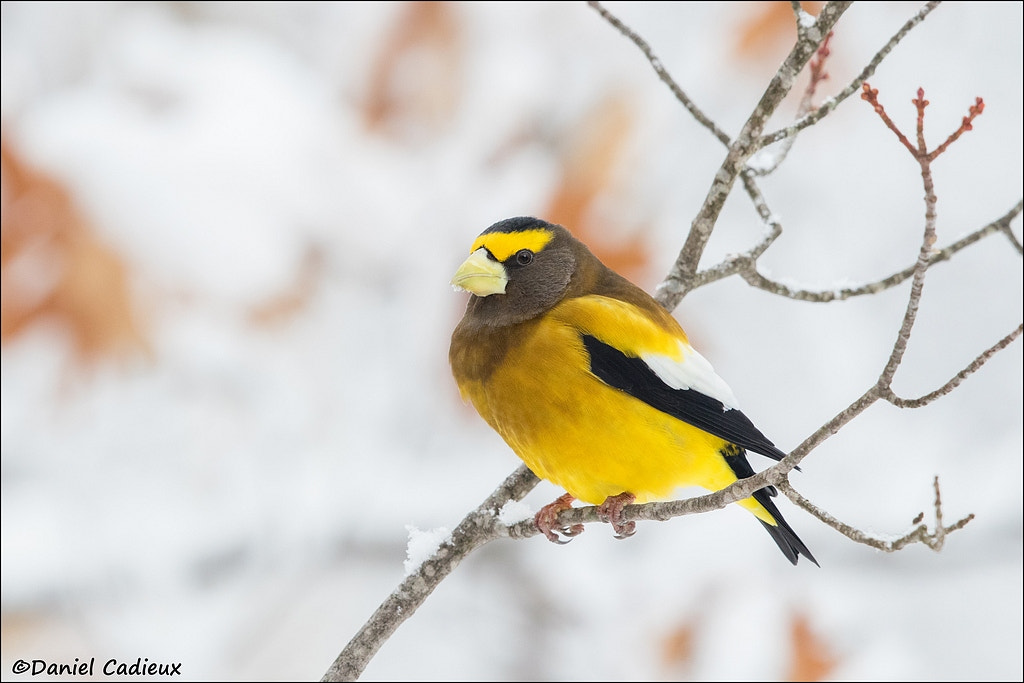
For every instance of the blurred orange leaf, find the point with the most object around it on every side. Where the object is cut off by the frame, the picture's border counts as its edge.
(415, 79)
(295, 297)
(677, 647)
(769, 30)
(590, 159)
(55, 268)
(811, 660)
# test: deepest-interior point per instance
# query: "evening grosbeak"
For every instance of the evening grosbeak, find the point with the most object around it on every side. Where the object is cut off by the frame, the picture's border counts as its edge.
(594, 385)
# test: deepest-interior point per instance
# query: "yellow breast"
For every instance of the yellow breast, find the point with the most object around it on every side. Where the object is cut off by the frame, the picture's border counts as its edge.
(593, 440)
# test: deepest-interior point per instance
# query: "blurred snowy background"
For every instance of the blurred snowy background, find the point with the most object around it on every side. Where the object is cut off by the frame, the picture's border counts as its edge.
(228, 230)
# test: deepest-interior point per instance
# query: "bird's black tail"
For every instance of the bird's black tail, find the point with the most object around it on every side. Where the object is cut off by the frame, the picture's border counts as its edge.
(783, 535)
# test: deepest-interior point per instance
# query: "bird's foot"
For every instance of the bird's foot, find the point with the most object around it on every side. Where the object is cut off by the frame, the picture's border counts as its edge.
(611, 511)
(546, 520)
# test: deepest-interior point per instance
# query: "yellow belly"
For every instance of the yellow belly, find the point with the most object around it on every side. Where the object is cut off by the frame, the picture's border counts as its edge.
(591, 439)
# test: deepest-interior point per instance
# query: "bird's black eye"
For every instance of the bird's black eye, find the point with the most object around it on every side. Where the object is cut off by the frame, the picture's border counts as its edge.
(524, 257)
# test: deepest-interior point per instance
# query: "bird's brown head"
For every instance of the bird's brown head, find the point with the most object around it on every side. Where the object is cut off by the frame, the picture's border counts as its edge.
(517, 269)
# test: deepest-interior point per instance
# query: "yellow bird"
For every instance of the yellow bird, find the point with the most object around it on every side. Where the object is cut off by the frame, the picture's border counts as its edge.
(594, 385)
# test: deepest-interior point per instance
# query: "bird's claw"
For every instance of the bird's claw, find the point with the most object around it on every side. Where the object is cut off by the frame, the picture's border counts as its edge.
(546, 521)
(569, 532)
(611, 511)
(624, 530)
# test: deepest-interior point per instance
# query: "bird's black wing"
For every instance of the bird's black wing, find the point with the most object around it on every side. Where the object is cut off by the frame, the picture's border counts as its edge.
(636, 378)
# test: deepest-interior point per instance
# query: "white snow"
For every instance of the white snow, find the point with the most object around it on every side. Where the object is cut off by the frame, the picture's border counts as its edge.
(514, 511)
(422, 545)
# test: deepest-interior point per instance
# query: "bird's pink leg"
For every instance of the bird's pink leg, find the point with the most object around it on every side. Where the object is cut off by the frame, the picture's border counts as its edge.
(546, 520)
(611, 511)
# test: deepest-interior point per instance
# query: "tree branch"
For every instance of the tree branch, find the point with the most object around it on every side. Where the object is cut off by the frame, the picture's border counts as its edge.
(765, 161)
(920, 533)
(476, 529)
(830, 104)
(663, 74)
(681, 277)
(889, 395)
(745, 265)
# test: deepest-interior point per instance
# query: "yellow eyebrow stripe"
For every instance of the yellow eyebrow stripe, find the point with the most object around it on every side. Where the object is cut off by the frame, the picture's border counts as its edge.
(504, 244)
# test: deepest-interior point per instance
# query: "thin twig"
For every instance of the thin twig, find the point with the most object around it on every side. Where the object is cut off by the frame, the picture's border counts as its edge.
(870, 95)
(798, 11)
(924, 159)
(663, 74)
(745, 265)
(1014, 240)
(830, 104)
(889, 395)
(680, 278)
(772, 159)
(920, 533)
(976, 109)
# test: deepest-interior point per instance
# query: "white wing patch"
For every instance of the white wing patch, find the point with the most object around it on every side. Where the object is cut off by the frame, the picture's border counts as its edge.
(692, 371)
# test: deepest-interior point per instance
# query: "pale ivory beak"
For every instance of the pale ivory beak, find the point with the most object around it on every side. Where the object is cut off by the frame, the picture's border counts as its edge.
(480, 275)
